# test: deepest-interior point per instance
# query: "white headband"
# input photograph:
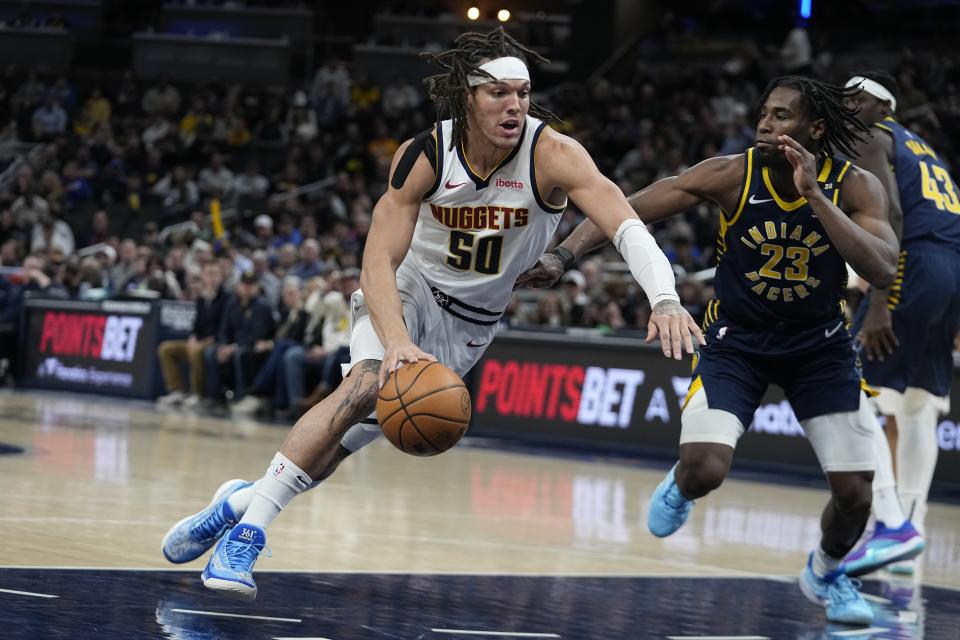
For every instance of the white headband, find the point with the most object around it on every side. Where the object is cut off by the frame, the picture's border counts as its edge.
(507, 68)
(874, 88)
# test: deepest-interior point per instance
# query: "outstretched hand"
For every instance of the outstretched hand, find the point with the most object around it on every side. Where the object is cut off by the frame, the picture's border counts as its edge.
(675, 328)
(399, 354)
(804, 165)
(544, 274)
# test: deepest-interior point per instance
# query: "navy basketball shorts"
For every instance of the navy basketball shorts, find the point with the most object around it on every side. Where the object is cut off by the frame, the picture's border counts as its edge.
(925, 303)
(817, 370)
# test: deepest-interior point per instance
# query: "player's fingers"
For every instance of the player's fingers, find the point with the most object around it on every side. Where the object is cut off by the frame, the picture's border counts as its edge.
(382, 376)
(791, 143)
(686, 333)
(652, 331)
(676, 337)
(792, 155)
(663, 328)
(524, 278)
(892, 337)
(890, 343)
(697, 332)
(882, 347)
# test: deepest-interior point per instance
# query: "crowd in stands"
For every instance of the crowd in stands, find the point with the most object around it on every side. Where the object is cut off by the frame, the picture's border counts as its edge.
(115, 199)
(25, 19)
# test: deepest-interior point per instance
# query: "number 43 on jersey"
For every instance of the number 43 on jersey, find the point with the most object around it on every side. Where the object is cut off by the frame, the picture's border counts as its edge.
(938, 187)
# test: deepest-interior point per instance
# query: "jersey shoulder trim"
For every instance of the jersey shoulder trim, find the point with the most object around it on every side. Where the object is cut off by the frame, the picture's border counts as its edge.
(433, 149)
(725, 224)
(745, 187)
(543, 204)
(885, 124)
(839, 181)
(428, 143)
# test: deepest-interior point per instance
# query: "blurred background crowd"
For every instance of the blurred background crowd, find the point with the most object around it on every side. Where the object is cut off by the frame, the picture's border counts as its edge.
(119, 184)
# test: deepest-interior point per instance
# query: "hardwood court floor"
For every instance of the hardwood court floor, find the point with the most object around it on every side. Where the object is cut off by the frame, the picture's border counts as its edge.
(101, 480)
(475, 542)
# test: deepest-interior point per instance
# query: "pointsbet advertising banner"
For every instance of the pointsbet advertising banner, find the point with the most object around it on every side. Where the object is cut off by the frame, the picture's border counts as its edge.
(104, 347)
(620, 394)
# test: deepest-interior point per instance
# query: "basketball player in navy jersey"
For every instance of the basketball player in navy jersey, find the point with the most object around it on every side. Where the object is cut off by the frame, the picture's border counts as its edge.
(792, 215)
(471, 204)
(907, 330)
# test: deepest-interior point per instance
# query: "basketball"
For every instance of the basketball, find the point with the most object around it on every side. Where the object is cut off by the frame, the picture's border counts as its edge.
(423, 408)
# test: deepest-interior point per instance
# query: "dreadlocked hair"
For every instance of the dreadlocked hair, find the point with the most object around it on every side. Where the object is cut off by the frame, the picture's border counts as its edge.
(449, 90)
(826, 101)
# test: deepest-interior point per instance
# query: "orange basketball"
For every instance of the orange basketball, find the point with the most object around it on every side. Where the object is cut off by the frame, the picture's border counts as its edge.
(424, 408)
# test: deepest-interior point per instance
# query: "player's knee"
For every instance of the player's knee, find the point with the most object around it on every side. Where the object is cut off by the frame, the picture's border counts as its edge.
(700, 472)
(353, 400)
(854, 493)
(358, 390)
(915, 400)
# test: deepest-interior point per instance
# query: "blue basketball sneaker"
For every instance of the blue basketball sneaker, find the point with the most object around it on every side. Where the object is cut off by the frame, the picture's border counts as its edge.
(837, 593)
(668, 508)
(191, 537)
(230, 568)
(884, 547)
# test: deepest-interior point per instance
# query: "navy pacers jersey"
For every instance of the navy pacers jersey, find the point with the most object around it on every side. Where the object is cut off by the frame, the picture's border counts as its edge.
(776, 318)
(928, 195)
(777, 270)
(925, 297)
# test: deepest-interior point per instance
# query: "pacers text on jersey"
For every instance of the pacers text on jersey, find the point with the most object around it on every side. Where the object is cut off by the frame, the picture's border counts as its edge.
(783, 263)
(491, 216)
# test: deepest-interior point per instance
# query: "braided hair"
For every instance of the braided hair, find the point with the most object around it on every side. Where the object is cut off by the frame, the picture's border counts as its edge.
(449, 90)
(826, 101)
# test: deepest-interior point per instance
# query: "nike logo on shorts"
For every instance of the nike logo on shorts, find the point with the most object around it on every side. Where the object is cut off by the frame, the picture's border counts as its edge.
(471, 344)
(828, 333)
(753, 200)
(454, 186)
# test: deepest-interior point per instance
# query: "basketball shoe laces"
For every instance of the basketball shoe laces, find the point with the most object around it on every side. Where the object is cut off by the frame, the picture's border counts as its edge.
(210, 528)
(843, 589)
(243, 554)
(675, 499)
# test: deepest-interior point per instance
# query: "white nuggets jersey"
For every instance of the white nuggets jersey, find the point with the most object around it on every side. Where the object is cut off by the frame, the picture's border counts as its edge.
(475, 234)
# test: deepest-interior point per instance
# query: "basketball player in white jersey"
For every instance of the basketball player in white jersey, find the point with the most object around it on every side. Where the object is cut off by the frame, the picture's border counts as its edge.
(471, 205)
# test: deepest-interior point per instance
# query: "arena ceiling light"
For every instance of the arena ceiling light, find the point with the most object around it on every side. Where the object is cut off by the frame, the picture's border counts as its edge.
(473, 13)
(503, 15)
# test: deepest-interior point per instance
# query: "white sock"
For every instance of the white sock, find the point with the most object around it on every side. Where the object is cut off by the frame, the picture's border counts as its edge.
(823, 563)
(886, 503)
(240, 500)
(282, 482)
(917, 451)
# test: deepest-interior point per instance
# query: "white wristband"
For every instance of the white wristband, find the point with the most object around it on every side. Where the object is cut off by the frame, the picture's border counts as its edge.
(650, 268)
